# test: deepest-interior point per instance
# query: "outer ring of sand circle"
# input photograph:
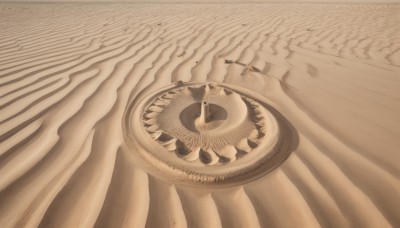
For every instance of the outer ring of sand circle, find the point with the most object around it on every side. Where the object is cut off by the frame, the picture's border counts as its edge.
(155, 159)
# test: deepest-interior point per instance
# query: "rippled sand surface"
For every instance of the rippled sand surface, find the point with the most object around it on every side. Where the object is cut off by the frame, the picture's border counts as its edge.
(68, 73)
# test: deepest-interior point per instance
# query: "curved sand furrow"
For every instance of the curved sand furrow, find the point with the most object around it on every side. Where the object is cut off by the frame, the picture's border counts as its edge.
(165, 206)
(16, 164)
(79, 181)
(281, 195)
(55, 56)
(39, 80)
(352, 101)
(69, 65)
(12, 31)
(90, 182)
(183, 71)
(372, 152)
(200, 209)
(379, 96)
(58, 28)
(230, 216)
(35, 49)
(64, 149)
(82, 36)
(321, 202)
(147, 52)
(223, 42)
(36, 111)
(37, 201)
(392, 181)
(348, 158)
(23, 105)
(343, 189)
(34, 214)
(67, 77)
(15, 96)
(211, 56)
(17, 139)
(81, 66)
(77, 37)
(380, 191)
(244, 59)
(127, 201)
(143, 71)
(39, 153)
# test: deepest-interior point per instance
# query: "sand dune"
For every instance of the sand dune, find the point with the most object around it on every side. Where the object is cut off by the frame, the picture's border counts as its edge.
(326, 77)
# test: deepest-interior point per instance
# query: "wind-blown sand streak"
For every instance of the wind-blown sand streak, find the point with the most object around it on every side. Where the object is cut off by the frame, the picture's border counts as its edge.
(70, 72)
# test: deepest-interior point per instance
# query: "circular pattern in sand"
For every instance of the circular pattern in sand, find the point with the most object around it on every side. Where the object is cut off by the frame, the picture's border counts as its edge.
(205, 133)
(209, 124)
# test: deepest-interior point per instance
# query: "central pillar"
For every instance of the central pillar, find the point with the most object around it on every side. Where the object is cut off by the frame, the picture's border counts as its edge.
(205, 112)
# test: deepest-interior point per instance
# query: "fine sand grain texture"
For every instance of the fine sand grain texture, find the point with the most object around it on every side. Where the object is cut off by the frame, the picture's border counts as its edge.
(199, 115)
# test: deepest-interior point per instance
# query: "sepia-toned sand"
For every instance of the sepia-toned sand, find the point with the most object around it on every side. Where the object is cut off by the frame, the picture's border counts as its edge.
(69, 71)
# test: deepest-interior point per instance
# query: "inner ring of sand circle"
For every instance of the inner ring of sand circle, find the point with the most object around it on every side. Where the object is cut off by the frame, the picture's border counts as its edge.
(155, 158)
(193, 111)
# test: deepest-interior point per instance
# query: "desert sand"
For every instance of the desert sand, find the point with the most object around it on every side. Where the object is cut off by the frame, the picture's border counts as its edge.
(199, 115)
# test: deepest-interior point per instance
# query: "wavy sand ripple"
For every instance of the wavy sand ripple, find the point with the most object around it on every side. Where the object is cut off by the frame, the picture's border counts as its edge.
(72, 74)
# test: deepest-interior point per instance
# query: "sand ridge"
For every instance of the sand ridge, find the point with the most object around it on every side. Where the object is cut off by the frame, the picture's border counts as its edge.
(68, 73)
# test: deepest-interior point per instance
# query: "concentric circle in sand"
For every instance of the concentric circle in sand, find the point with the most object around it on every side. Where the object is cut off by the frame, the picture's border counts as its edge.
(203, 133)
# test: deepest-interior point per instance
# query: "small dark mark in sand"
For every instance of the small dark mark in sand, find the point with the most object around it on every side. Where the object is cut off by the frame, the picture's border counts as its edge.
(255, 69)
(241, 64)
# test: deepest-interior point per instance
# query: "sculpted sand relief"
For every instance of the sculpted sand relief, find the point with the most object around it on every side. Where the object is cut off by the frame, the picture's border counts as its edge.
(209, 132)
(215, 126)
